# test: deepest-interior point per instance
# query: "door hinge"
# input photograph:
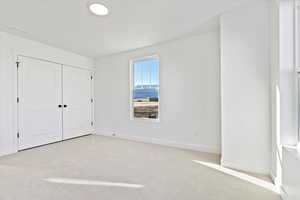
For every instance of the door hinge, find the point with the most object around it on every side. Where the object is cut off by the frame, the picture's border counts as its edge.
(92, 123)
(18, 64)
(18, 99)
(18, 135)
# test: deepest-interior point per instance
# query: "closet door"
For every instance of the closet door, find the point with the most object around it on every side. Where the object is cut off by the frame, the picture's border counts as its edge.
(40, 94)
(77, 98)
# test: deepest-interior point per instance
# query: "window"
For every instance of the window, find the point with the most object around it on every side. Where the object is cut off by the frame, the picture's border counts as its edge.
(297, 34)
(145, 88)
(297, 57)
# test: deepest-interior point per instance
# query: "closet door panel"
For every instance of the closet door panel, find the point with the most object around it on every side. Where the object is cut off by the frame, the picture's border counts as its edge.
(40, 93)
(77, 96)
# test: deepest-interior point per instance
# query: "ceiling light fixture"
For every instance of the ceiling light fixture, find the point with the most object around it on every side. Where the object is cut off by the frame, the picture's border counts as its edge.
(98, 9)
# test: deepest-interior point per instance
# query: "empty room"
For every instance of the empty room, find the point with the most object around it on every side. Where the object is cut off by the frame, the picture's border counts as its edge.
(150, 100)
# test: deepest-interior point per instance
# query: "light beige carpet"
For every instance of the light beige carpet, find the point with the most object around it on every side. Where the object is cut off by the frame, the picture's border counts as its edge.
(95, 167)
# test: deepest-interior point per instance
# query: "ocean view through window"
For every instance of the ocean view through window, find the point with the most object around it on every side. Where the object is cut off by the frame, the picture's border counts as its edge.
(145, 88)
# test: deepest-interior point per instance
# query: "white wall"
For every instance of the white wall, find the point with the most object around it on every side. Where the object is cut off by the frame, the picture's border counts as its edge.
(7, 139)
(11, 46)
(21, 46)
(245, 86)
(190, 94)
(289, 121)
(284, 99)
(298, 34)
(288, 81)
(291, 175)
(275, 93)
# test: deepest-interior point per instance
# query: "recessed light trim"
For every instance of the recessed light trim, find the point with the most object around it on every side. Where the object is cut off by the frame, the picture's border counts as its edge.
(98, 9)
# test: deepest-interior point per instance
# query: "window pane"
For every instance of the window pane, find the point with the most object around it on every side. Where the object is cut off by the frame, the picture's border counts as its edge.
(146, 89)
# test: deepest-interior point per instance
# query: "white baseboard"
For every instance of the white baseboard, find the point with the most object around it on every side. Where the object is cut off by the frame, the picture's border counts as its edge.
(195, 147)
(249, 169)
(275, 179)
(8, 152)
(283, 194)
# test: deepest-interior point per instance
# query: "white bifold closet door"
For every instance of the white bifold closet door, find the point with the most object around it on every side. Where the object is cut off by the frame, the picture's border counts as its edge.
(40, 93)
(55, 102)
(77, 97)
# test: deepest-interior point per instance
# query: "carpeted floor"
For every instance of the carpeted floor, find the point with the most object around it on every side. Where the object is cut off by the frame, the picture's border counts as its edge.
(96, 168)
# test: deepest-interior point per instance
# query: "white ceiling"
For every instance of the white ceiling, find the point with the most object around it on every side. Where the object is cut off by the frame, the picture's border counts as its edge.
(131, 24)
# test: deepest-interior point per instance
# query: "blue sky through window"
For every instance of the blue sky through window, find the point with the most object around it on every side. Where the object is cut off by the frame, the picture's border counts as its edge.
(146, 73)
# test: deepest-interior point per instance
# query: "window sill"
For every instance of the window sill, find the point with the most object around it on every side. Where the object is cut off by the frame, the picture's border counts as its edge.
(145, 120)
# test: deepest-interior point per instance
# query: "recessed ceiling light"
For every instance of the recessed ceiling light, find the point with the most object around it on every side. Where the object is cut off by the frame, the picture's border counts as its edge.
(98, 9)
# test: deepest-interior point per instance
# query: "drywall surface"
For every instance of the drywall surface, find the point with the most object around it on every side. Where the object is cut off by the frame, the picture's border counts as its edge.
(245, 88)
(288, 81)
(7, 133)
(291, 175)
(21, 46)
(275, 169)
(189, 94)
(11, 47)
(289, 111)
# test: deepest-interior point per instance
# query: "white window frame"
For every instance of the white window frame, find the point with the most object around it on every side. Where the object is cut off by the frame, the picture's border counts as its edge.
(297, 37)
(131, 66)
(297, 55)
